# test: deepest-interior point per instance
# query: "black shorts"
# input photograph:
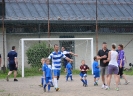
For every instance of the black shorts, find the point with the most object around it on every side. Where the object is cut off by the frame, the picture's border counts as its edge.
(120, 71)
(12, 67)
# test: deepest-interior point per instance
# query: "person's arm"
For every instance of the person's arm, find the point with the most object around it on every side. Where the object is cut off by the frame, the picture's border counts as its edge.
(87, 68)
(109, 58)
(73, 54)
(97, 66)
(99, 57)
(68, 59)
(15, 59)
(50, 56)
(40, 69)
(121, 58)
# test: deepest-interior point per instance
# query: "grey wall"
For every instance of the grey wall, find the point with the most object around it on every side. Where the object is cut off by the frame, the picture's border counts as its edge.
(80, 47)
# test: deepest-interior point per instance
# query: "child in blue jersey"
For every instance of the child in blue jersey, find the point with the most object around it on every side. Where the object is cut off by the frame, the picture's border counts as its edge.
(69, 71)
(42, 78)
(83, 74)
(96, 71)
(47, 74)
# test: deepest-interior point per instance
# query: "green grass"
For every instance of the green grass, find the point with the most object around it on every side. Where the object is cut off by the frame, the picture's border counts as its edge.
(36, 72)
(130, 72)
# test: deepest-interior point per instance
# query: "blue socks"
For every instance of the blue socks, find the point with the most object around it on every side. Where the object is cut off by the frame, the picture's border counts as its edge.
(52, 84)
(84, 81)
(71, 78)
(42, 80)
(49, 87)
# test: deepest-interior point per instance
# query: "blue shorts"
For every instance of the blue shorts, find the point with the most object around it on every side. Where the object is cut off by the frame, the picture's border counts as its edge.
(83, 75)
(69, 74)
(56, 72)
(48, 80)
(96, 74)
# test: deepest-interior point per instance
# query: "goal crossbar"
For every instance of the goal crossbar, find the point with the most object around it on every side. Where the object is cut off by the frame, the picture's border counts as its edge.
(53, 39)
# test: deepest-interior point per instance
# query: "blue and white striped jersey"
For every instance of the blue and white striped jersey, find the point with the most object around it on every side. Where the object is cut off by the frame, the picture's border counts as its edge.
(56, 59)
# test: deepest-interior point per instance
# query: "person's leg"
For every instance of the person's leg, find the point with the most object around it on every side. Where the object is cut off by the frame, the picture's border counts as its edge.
(49, 84)
(82, 78)
(116, 70)
(10, 72)
(67, 76)
(71, 76)
(45, 84)
(107, 73)
(109, 80)
(15, 74)
(119, 73)
(102, 70)
(55, 78)
(85, 79)
(124, 77)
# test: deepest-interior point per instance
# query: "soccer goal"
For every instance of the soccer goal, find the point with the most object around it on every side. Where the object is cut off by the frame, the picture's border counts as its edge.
(33, 49)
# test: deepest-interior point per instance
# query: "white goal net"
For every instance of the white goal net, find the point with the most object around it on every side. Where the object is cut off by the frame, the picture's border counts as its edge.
(33, 49)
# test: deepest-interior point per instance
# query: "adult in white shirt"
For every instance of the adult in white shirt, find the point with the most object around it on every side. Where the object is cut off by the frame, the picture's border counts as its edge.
(112, 67)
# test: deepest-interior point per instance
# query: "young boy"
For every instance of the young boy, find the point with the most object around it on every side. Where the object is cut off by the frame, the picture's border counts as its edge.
(47, 74)
(52, 85)
(84, 68)
(96, 71)
(42, 78)
(69, 71)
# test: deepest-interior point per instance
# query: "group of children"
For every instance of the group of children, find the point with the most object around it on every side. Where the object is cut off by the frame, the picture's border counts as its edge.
(46, 79)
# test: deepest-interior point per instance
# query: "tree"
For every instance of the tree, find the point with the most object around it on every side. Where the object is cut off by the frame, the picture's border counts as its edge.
(36, 52)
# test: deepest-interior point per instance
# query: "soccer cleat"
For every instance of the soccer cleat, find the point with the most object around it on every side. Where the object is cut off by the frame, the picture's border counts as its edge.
(40, 85)
(57, 89)
(7, 78)
(127, 82)
(15, 80)
(117, 89)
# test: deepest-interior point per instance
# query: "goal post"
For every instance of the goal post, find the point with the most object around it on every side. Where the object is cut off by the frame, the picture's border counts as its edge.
(23, 40)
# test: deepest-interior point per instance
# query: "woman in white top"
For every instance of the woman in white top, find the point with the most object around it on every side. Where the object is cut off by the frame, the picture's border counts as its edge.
(112, 67)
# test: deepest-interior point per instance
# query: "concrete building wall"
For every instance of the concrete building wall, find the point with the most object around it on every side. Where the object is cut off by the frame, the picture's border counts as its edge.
(80, 46)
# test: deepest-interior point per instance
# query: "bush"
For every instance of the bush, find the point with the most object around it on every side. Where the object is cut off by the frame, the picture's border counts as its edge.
(36, 52)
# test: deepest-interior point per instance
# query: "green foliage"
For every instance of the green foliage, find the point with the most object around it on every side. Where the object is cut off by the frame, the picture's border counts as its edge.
(36, 52)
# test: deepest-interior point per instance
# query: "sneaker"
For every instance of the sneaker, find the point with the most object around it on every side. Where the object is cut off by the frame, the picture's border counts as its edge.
(57, 89)
(83, 84)
(107, 88)
(15, 80)
(40, 85)
(127, 82)
(103, 86)
(7, 78)
(117, 89)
